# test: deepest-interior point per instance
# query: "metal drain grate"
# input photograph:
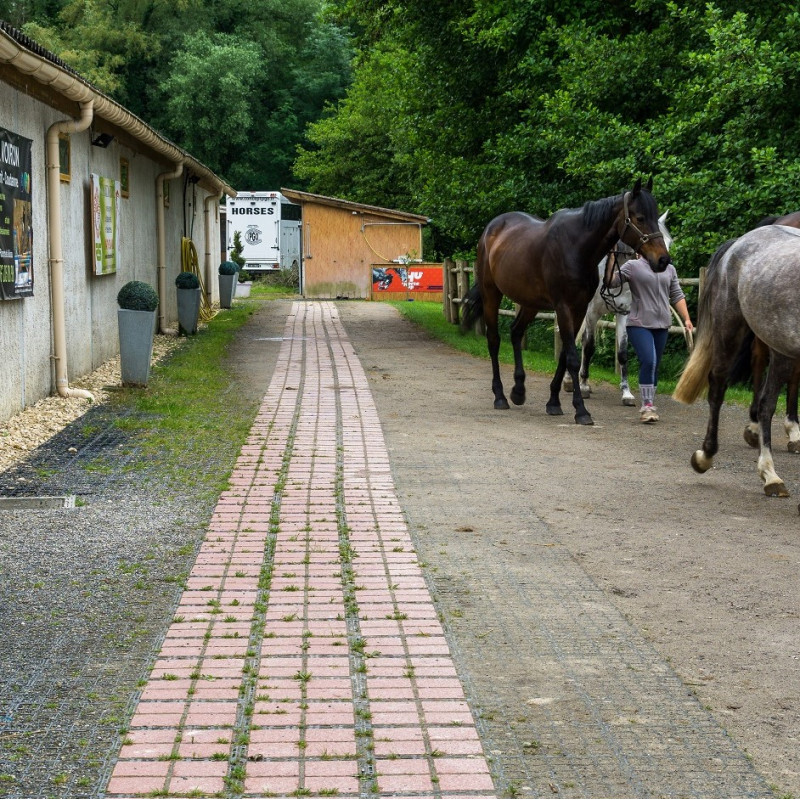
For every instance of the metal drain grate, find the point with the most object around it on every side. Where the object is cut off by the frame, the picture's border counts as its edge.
(33, 503)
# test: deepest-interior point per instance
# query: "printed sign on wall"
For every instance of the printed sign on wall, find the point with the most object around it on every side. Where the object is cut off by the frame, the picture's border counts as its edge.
(16, 217)
(106, 195)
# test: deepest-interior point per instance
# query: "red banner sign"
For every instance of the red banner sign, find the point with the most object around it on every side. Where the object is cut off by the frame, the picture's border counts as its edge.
(406, 278)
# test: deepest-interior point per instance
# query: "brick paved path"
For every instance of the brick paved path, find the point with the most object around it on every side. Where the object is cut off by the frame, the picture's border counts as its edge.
(306, 657)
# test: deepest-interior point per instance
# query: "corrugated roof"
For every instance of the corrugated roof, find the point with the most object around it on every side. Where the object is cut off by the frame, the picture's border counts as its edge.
(308, 197)
(29, 44)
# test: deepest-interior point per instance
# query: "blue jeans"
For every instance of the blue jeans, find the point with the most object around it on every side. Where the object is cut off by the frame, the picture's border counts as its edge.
(649, 344)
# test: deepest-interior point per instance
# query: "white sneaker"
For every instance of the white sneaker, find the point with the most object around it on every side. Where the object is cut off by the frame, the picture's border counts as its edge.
(648, 415)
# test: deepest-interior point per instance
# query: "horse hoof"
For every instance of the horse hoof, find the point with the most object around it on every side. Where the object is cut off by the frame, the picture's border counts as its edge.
(629, 401)
(751, 437)
(776, 489)
(554, 411)
(793, 447)
(586, 393)
(518, 398)
(567, 385)
(501, 404)
(699, 462)
(584, 419)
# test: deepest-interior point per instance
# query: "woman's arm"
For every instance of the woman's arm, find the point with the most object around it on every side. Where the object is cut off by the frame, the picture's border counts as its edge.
(683, 313)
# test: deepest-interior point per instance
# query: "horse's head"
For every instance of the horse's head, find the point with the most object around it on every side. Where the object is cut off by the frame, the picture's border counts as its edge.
(640, 227)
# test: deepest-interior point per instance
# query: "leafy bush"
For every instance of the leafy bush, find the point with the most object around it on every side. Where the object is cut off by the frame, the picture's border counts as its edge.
(187, 280)
(288, 278)
(138, 296)
(236, 250)
(228, 268)
(244, 275)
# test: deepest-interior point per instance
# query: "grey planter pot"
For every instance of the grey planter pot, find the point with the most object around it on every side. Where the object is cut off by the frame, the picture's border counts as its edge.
(136, 329)
(227, 286)
(188, 309)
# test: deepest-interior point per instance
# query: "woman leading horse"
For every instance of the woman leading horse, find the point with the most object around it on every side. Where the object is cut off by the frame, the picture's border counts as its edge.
(552, 264)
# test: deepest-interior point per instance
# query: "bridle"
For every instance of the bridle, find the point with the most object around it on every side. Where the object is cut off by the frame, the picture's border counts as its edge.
(643, 237)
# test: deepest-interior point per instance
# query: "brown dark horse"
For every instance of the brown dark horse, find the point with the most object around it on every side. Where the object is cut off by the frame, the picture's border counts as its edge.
(552, 264)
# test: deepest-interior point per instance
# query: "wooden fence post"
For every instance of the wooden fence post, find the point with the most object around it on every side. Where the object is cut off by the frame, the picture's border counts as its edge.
(447, 290)
(462, 284)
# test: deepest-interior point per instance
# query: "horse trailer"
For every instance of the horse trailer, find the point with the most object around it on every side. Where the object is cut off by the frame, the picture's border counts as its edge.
(269, 228)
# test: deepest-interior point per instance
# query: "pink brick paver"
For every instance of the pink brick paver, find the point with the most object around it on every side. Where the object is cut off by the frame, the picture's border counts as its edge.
(306, 656)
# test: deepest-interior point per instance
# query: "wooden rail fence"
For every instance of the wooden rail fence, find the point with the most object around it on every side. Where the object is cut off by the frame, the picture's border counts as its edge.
(456, 283)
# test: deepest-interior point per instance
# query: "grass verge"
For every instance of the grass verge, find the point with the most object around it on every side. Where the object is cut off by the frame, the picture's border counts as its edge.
(190, 421)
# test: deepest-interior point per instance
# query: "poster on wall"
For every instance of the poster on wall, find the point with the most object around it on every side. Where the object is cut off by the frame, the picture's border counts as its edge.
(409, 278)
(16, 217)
(106, 194)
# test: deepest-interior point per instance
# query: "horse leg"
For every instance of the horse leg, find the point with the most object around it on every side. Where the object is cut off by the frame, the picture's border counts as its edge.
(779, 370)
(553, 407)
(622, 359)
(702, 460)
(791, 424)
(568, 361)
(587, 354)
(759, 358)
(491, 306)
(518, 328)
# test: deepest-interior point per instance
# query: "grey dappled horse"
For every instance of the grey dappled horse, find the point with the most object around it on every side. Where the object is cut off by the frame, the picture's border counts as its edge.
(750, 285)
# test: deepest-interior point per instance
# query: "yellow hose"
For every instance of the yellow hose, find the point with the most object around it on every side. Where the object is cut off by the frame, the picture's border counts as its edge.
(190, 263)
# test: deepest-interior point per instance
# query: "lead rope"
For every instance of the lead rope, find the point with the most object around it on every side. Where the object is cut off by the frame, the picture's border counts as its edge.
(606, 291)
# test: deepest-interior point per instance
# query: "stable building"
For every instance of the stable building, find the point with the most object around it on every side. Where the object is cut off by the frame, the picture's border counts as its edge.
(357, 251)
(91, 197)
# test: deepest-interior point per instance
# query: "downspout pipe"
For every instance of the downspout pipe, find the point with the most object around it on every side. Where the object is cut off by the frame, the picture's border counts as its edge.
(212, 198)
(161, 235)
(56, 260)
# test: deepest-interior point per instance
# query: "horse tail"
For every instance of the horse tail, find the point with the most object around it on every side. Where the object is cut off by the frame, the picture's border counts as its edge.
(471, 308)
(694, 378)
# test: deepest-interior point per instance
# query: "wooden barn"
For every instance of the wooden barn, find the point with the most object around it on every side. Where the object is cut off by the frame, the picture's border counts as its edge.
(360, 251)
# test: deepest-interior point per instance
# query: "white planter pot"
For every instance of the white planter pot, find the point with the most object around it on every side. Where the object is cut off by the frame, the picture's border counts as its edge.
(136, 329)
(243, 289)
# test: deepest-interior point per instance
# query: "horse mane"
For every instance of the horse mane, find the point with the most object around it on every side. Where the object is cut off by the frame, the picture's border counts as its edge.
(595, 213)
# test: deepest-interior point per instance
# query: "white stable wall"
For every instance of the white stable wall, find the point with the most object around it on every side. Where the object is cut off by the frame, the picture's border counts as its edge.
(26, 370)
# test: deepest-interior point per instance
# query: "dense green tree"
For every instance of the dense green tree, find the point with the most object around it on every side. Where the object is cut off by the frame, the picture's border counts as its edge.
(233, 81)
(537, 105)
(209, 96)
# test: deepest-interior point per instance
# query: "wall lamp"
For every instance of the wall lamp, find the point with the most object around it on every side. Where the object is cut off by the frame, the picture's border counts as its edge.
(102, 140)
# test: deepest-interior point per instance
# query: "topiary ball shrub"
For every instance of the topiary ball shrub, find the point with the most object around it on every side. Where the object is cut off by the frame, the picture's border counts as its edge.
(138, 296)
(228, 268)
(244, 276)
(187, 280)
